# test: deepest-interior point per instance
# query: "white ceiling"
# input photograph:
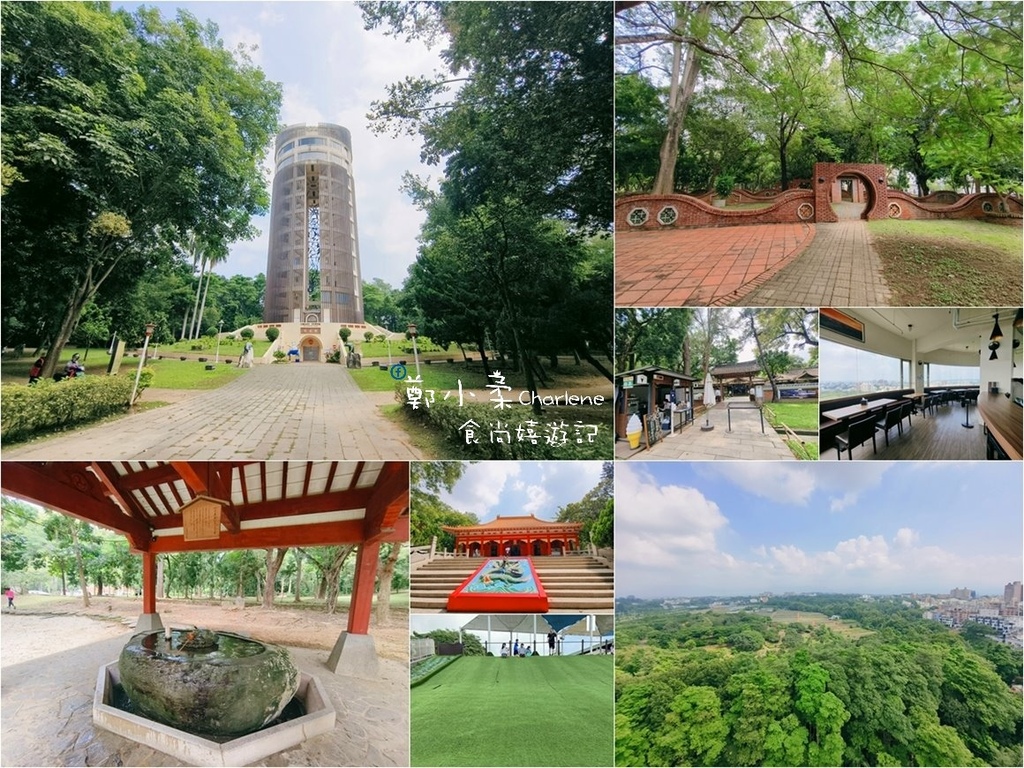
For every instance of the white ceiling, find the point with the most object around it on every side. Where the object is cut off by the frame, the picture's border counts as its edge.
(956, 330)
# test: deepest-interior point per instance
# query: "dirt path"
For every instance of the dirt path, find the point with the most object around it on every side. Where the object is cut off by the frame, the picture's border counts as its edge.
(283, 625)
(52, 652)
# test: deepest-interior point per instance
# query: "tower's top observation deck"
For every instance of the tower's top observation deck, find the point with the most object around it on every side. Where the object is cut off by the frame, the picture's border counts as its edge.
(315, 142)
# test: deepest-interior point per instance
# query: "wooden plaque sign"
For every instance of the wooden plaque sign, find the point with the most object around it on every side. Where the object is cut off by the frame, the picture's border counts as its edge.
(201, 519)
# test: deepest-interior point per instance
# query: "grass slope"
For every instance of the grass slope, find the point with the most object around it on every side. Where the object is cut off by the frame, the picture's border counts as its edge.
(487, 711)
(949, 263)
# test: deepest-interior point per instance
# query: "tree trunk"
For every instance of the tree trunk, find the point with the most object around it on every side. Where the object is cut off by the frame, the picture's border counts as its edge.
(195, 306)
(80, 563)
(684, 79)
(385, 572)
(783, 168)
(275, 558)
(159, 577)
(298, 577)
(583, 351)
(202, 307)
(333, 575)
(761, 359)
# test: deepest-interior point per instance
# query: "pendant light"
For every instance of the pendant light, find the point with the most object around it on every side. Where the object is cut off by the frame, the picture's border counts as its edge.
(997, 332)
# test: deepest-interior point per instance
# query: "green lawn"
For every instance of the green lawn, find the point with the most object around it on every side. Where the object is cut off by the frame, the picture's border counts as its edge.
(950, 263)
(488, 711)
(190, 374)
(232, 349)
(444, 377)
(802, 415)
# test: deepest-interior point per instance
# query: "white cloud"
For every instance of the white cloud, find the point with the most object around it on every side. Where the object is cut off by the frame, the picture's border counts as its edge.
(480, 487)
(659, 527)
(796, 484)
(538, 499)
(771, 480)
(906, 537)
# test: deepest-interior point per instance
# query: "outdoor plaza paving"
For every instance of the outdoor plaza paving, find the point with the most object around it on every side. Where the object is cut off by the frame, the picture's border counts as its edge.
(48, 685)
(762, 265)
(745, 441)
(296, 411)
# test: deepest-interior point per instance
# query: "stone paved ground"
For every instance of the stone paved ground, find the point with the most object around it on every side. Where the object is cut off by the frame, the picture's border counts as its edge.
(838, 269)
(744, 442)
(702, 267)
(299, 411)
(49, 666)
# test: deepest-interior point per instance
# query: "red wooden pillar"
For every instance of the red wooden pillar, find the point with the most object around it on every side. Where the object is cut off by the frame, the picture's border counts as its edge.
(149, 582)
(362, 588)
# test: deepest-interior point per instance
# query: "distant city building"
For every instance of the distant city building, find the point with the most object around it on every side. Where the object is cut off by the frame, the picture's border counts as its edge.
(313, 273)
(1012, 596)
(962, 593)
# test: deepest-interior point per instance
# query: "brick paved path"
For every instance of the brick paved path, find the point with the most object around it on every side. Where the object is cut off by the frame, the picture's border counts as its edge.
(299, 411)
(702, 267)
(838, 269)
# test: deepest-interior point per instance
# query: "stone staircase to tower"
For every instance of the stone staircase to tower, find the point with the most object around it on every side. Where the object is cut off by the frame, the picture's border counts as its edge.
(574, 583)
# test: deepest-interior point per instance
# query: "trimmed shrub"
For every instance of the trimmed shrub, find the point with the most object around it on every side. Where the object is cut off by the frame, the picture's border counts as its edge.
(248, 333)
(279, 355)
(272, 334)
(345, 333)
(724, 185)
(368, 336)
(49, 406)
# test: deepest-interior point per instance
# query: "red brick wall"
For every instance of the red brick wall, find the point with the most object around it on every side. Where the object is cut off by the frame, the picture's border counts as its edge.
(692, 212)
(872, 175)
(967, 207)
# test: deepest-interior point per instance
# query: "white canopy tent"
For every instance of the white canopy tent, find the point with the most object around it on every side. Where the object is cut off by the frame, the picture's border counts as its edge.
(537, 626)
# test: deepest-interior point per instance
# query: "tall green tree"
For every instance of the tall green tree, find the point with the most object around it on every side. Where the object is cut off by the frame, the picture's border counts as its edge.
(122, 131)
(523, 110)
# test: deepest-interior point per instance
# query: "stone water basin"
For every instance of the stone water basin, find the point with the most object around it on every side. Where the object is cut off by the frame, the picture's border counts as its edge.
(217, 684)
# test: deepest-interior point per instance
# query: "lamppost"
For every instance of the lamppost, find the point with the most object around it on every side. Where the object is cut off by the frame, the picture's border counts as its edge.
(142, 360)
(220, 327)
(415, 351)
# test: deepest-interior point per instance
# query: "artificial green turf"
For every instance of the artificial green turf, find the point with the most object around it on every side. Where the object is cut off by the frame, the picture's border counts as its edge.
(489, 711)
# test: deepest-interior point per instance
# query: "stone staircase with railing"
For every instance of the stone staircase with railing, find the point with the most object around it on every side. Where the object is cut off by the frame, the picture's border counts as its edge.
(574, 583)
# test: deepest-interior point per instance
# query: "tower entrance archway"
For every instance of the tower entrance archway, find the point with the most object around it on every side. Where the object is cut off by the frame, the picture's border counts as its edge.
(867, 179)
(311, 349)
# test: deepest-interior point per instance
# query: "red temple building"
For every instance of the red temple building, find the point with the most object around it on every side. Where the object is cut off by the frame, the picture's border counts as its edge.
(517, 536)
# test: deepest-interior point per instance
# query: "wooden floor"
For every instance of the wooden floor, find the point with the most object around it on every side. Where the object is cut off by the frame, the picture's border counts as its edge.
(938, 436)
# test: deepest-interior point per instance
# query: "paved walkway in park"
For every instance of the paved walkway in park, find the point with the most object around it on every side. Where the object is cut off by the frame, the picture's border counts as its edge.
(50, 666)
(299, 411)
(745, 441)
(702, 267)
(838, 269)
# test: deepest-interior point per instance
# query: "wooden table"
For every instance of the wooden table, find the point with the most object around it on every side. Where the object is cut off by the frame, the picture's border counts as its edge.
(844, 414)
(1005, 421)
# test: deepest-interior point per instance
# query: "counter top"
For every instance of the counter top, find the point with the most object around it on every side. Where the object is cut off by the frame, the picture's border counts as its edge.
(1005, 420)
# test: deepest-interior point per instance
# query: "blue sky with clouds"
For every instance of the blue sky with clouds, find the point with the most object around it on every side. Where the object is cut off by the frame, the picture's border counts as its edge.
(735, 528)
(492, 488)
(330, 70)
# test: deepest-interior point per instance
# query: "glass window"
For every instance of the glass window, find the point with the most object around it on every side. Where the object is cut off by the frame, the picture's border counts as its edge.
(952, 375)
(846, 371)
(313, 141)
(287, 147)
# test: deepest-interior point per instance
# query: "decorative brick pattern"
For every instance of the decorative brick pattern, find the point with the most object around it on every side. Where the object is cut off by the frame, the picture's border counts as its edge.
(693, 212)
(873, 176)
(986, 205)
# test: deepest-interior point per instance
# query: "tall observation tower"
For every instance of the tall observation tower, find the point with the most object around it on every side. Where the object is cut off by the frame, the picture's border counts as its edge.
(313, 260)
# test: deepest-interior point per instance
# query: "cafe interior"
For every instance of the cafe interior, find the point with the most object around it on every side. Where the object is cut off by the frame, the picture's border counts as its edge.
(921, 384)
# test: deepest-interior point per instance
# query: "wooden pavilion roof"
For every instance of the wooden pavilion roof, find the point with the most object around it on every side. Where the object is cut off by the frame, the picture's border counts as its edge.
(263, 504)
(511, 524)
